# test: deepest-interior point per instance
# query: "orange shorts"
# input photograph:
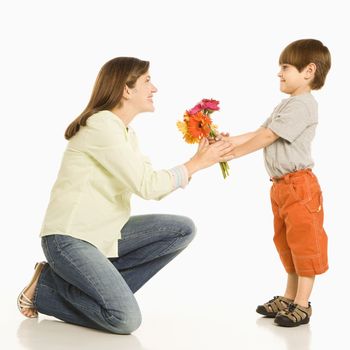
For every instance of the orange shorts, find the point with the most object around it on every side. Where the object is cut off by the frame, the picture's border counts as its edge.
(299, 237)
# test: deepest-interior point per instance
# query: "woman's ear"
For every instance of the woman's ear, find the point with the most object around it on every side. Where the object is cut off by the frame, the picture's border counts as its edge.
(126, 93)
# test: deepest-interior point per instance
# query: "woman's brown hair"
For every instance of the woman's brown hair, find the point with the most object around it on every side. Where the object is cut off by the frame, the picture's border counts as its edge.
(302, 52)
(109, 87)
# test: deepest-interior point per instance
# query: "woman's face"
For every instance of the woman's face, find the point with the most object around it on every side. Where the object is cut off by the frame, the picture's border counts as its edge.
(142, 94)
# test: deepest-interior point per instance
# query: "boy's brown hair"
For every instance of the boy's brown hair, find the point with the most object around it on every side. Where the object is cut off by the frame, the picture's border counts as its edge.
(302, 52)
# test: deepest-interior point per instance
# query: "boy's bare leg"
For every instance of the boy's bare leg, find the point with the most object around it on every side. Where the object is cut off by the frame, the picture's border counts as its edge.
(292, 286)
(304, 290)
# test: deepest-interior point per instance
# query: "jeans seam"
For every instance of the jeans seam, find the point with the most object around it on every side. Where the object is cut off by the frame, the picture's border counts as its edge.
(80, 273)
(38, 285)
(164, 251)
(44, 241)
(175, 239)
(182, 233)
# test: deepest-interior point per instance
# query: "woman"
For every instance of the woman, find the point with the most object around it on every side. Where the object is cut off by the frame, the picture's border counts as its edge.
(98, 256)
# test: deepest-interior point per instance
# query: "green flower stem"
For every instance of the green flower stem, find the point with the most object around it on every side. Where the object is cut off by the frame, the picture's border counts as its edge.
(223, 165)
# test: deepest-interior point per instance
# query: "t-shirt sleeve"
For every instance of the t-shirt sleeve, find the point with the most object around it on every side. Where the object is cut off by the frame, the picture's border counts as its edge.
(266, 123)
(291, 121)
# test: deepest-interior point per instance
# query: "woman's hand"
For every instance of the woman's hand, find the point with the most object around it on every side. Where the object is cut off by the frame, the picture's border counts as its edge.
(208, 155)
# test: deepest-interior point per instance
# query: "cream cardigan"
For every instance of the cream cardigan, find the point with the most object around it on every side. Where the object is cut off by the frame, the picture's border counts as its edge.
(101, 167)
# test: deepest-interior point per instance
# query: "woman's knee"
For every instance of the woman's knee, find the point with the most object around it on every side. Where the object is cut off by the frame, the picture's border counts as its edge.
(190, 227)
(125, 322)
(186, 228)
(129, 324)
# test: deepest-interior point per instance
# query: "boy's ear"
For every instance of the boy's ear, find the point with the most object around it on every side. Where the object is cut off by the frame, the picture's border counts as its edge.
(310, 70)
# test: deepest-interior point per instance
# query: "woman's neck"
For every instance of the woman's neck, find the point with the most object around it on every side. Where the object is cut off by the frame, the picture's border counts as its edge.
(125, 114)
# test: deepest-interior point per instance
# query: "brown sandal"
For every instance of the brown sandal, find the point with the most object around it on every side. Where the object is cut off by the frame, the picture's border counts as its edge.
(23, 302)
(294, 316)
(273, 306)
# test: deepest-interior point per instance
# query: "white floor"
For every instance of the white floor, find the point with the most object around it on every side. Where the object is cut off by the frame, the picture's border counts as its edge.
(181, 316)
(178, 329)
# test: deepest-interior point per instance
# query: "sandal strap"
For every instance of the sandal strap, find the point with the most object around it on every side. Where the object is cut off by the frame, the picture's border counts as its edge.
(23, 302)
(26, 299)
(22, 306)
(278, 303)
(296, 313)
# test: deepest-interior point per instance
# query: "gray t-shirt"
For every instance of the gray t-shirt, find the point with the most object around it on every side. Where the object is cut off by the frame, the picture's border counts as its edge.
(294, 120)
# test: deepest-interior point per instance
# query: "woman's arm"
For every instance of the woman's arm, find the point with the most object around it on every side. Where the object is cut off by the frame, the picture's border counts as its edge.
(106, 142)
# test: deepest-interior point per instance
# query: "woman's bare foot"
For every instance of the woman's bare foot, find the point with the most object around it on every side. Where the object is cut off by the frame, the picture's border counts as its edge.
(25, 300)
(29, 293)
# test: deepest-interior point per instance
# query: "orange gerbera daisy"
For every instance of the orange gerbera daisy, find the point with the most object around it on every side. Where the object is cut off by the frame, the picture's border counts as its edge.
(199, 125)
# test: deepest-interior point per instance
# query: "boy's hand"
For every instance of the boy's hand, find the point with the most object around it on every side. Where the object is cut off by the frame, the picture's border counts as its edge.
(222, 136)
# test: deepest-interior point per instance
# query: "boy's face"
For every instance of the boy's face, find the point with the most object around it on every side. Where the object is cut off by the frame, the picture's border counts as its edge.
(292, 81)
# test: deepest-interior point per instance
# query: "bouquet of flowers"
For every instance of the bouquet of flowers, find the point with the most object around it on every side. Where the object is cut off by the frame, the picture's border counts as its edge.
(197, 123)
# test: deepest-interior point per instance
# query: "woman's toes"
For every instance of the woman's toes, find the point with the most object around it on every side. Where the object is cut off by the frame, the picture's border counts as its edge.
(28, 312)
(25, 312)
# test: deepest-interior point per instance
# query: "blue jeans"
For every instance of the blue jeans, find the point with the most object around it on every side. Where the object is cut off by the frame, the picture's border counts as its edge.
(80, 285)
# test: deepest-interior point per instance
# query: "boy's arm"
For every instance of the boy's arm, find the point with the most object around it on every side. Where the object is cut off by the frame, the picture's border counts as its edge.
(263, 137)
(239, 139)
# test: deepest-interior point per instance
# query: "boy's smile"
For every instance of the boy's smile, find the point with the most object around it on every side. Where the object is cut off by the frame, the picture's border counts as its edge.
(292, 81)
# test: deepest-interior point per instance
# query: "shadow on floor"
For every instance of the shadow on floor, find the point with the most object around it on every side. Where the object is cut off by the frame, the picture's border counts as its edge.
(294, 337)
(50, 334)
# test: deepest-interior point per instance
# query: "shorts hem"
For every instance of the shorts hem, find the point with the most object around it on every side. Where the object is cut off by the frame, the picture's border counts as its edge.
(310, 273)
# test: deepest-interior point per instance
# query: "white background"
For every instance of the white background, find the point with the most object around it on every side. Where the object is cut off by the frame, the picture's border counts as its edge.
(227, 50)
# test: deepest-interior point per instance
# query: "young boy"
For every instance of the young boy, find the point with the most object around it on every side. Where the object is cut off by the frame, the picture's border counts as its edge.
(295, 193)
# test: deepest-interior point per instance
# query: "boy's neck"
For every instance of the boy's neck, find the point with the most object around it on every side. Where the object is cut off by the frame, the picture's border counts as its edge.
(301, 91)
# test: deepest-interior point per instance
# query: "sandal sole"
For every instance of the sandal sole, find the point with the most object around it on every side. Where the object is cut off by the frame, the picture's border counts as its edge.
(286, 323)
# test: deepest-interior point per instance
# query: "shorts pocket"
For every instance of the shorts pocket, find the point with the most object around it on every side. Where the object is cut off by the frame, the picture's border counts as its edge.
(301, 191)
(316, 203)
